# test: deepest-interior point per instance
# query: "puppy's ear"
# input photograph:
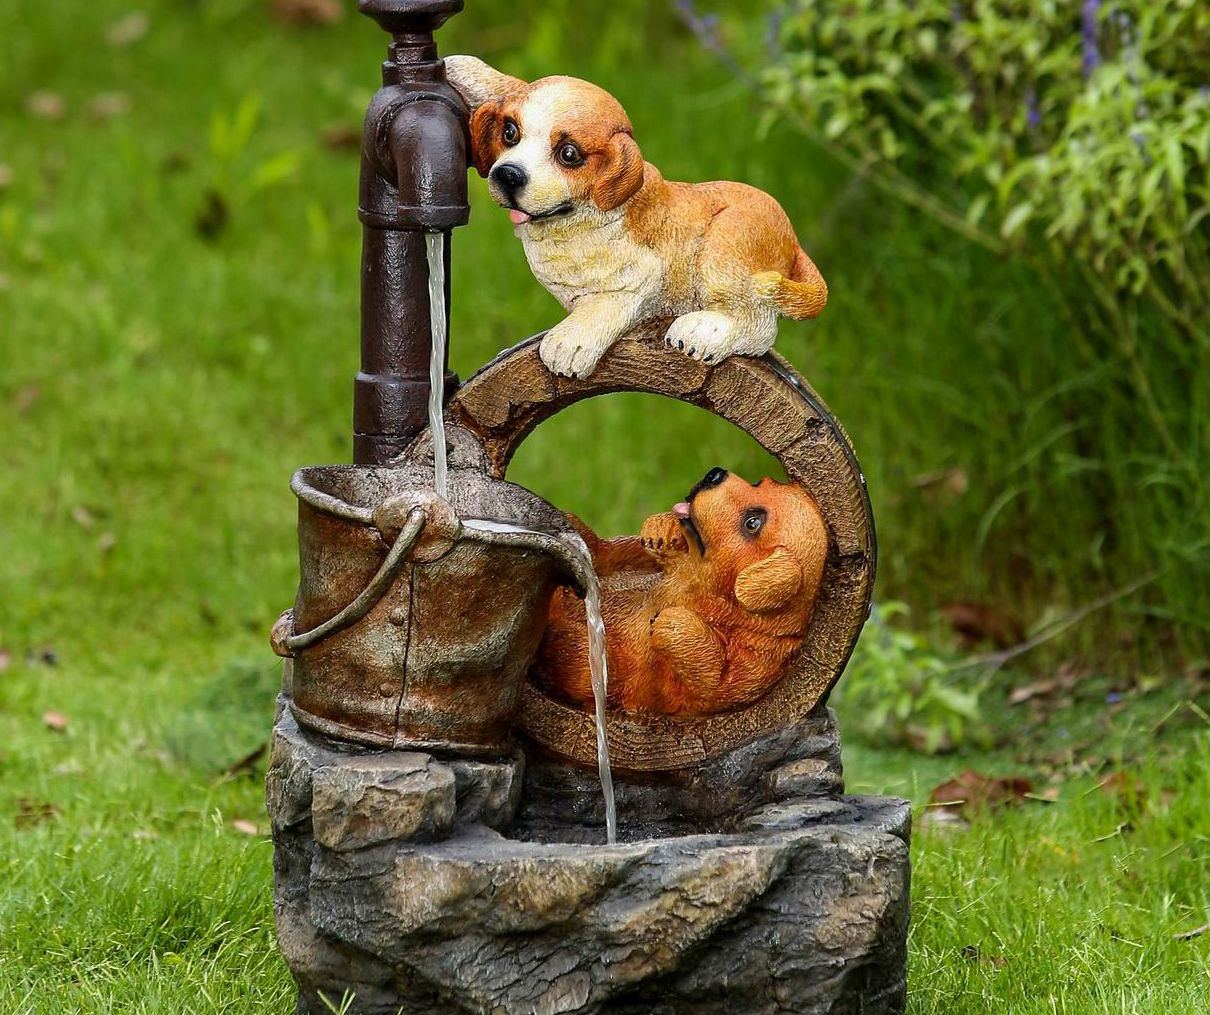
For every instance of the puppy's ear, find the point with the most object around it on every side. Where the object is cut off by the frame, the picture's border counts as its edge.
(485, 137)
(769, 584)
(621, 176)
(476, 82)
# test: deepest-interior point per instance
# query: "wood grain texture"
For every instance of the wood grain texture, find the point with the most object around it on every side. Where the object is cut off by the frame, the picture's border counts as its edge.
(508, 398)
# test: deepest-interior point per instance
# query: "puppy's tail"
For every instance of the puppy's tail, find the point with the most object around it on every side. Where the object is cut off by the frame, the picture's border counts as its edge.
(800, 295)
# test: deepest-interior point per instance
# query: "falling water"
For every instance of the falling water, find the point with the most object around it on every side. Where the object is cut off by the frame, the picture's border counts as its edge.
(599, 669)
(597, 664)
(435, 248)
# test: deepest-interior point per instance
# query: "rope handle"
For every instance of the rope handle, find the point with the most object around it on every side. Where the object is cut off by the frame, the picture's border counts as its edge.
(369, 598)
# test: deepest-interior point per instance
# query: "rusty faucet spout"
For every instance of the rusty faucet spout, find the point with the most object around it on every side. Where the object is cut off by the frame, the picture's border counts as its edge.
(413, 181)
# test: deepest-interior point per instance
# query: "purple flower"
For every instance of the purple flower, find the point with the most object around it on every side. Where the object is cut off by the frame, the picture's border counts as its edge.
(1033, 115)
(704, 26)
(1092, 50)
(773, 30)
(1113, 697)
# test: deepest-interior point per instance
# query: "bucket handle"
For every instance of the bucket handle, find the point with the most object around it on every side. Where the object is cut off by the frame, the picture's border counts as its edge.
(373, 592)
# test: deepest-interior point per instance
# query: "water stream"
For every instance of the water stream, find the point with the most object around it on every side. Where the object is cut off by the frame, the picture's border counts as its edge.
(598, 665)
(435, 249)
(572, 543)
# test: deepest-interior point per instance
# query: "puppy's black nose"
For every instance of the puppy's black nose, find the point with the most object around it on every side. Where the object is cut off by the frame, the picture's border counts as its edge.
(714, 477)
(509, 177)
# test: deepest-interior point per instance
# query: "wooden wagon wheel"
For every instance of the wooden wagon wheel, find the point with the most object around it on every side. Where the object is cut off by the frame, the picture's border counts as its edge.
(508, 398)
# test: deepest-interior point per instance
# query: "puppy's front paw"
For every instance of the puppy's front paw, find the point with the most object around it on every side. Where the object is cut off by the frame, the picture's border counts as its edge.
(704, 334)
(570, 351)
(662, 536)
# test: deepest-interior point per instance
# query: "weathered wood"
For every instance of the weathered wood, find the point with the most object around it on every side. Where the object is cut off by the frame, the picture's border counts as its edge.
(515, 393)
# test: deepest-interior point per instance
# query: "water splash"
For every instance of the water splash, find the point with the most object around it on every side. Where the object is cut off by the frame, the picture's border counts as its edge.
(598, 665)
(435, 249)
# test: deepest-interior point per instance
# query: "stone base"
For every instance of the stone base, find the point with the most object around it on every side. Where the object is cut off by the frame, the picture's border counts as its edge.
(426, 886)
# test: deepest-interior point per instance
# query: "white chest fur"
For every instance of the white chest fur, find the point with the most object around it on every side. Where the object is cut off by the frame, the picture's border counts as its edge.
(591, 255)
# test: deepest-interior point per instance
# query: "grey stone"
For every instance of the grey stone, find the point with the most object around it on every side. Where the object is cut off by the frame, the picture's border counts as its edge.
(488, 793)
(373, 798)
(562, 802)
(797, 905)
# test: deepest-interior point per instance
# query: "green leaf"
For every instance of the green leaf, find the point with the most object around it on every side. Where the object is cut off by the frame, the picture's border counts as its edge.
(1015, 219)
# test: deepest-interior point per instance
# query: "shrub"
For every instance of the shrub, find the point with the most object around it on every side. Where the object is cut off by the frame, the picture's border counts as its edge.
(1075, 137)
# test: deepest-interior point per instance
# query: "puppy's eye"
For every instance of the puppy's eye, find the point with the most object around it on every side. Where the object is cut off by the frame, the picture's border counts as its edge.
(754, 521)
(570, 155)
(512, 133)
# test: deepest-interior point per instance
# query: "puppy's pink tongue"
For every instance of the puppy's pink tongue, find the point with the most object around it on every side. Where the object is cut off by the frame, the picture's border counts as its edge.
(517, 216)
(681, 510)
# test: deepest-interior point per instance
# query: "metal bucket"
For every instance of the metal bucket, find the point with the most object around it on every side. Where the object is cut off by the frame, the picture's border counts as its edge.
(410, 629)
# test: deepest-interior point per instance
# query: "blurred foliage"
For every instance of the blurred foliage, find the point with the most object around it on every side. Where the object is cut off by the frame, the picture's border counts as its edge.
(898, 689)
(223, 723)
(1076, 138)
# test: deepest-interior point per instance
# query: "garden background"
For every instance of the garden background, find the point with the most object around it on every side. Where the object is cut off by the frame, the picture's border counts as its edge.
(1008, 200)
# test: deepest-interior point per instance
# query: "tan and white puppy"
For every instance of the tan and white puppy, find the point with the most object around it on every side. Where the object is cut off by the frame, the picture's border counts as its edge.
(614, 242)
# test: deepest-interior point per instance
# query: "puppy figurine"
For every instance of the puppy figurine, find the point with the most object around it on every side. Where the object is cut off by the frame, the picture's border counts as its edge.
(614, 242)
(703, 609)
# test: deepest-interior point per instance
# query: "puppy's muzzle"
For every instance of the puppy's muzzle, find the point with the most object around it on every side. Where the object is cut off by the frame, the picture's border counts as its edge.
(510, 178)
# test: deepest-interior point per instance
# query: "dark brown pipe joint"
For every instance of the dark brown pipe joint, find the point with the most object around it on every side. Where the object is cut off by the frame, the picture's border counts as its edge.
(413, 181)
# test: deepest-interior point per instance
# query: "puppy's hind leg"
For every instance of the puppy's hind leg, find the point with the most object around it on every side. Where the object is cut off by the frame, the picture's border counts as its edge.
(708, 335)
(714, 334)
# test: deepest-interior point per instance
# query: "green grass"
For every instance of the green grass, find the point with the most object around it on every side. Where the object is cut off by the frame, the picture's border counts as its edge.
(157, 388)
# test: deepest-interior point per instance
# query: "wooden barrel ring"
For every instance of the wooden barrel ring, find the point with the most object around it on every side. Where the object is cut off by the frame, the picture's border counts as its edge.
(765, 397)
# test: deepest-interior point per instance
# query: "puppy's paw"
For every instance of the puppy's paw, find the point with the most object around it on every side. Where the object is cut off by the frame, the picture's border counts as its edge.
(704, 334)
(571, 351)
(663, 537)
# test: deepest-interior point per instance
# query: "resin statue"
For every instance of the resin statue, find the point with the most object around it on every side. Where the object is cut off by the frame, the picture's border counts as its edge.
(449, 835)
(614, 242)
(702, 609)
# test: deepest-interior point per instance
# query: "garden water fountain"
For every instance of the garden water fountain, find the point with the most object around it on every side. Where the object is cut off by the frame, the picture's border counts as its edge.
(444, 828)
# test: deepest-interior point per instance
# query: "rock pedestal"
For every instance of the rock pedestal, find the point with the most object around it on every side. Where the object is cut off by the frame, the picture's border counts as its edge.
(423, 886)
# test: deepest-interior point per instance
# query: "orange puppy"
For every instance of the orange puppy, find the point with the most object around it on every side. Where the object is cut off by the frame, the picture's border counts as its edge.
(703, 609)
(615, 242)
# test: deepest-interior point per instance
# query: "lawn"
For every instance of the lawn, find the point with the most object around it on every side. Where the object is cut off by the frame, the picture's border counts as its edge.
(178, 308)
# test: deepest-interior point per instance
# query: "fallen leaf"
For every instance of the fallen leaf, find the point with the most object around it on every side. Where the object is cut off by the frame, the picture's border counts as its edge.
(6, 175)
(107, 105)
(1189, 935)
(942, 819)
(247, 763)
(6, 659)
(69, 767)
(1041, 688)
(56, 721)
(342, 137)
(245, 827)
(307, 12)
(976, 954)
(176, 162)
(973, 791)
(978, 622)
(212, 217)
(46, 105)
(106, 541)
(952, 482)
(128, 29)
(82, 516)
(27, 397)
(34, 812)
(143, 833)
